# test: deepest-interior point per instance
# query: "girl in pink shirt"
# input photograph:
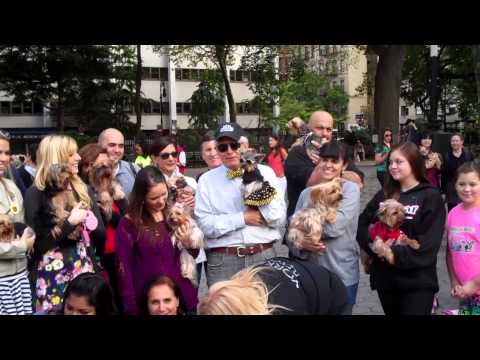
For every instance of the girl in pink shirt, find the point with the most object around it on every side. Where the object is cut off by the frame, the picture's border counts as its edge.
(463, 227)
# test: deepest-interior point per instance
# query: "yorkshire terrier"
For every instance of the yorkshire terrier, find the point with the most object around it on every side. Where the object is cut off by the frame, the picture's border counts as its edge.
(254, 189)
(62, 198)
(177, 188)
(306, 226)
(386, 231)
(313, 143)
(106, 188)
(297, 128)
(326, 197)
(178, 215)
(7, 229)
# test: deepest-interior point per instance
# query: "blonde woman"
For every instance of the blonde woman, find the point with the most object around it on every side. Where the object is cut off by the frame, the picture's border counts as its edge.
(15, 293)
(61, 255)
(280, 286)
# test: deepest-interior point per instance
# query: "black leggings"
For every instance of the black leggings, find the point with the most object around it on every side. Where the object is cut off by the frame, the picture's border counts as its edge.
(418, 302)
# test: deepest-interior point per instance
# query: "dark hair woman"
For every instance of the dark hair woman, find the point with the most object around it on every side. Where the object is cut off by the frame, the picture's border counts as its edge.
(162, 297)
(381, 153)
(405, 277)
(144, 246)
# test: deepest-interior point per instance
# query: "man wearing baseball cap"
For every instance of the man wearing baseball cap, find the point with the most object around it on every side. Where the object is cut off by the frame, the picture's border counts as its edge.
(236, 236)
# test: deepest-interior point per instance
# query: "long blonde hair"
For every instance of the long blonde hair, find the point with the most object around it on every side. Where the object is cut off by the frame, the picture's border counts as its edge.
(57, 149)
(244, 294)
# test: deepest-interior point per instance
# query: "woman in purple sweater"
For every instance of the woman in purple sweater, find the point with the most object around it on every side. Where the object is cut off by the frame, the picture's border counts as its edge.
(144, 246)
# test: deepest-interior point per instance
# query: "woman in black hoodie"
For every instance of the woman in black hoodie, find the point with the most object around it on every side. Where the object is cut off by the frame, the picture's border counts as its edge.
(407, 285)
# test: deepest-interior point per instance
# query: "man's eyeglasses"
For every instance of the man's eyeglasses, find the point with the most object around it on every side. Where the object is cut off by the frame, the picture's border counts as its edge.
(165, 156)
(224, 147)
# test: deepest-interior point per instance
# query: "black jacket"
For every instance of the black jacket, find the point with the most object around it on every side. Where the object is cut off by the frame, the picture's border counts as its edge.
(424, 222)
(38, 216)
(304, 287)
(450, 166)
(298, 167)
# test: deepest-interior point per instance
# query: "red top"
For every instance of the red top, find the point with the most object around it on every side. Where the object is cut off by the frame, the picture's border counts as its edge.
(275, 161)
(384, 232)
(110, 233)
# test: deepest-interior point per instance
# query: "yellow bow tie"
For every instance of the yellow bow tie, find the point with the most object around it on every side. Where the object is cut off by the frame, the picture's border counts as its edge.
(232, 174)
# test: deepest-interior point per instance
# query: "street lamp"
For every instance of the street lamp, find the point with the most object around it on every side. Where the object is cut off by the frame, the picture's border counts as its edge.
(435, 69)
(163, 94)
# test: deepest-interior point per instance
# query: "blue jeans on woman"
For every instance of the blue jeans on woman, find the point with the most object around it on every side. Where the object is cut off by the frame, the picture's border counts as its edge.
(352, 293)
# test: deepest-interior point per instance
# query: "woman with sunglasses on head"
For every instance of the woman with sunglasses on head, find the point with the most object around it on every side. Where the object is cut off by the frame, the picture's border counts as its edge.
(381, 154)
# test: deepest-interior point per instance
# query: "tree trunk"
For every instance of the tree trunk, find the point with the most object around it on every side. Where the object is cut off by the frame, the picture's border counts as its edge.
(476, 59)
(138, 89)
(222, 62)
(387, 87)
(371, 72)
(60, 109)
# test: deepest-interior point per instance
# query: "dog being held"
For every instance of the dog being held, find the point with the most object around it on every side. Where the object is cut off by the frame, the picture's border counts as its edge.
(179, 215)
(7, 229)
(386, 231)
(62, 200)
(106, 188)
(178, 188)
(326, 198)
(306, 227)
(254, 189)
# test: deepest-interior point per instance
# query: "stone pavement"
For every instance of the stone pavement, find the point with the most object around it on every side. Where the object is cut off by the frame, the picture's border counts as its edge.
(367, 300)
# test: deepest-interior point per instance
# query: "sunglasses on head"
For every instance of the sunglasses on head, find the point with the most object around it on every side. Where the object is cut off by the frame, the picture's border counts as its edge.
(224, 147)
(165, 156)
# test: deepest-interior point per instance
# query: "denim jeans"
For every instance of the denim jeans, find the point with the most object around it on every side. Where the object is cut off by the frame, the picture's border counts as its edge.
(222, 267)
(352, 293)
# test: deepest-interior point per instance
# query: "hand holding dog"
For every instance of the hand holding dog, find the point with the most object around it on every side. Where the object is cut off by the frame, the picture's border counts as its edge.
(77, 215)
(382, 250)
(315, 247)
(28, 236)
(465, 291)
(186, 198)
(253, 217)
(183, 234)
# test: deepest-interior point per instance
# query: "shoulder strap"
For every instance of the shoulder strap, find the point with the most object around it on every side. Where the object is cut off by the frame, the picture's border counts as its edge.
(132, 169)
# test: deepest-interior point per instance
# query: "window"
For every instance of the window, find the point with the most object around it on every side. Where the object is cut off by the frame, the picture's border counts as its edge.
(342, 83)
(186, 74)
(155, 73)
(232, 75)
(178, 74)
(164, 74)
(27, 107)
(418, 110)
(451, 110)
(184, 108)
(404, 111)
(145, 73)
(5, 107)
(166, 108)
(37, 108)
(16, 108)
(245, 76)
(156, 107)
(147, 107)
(238, 76)
(195, 75)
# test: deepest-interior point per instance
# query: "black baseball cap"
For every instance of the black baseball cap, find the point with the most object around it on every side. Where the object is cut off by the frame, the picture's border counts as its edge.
(229, 130)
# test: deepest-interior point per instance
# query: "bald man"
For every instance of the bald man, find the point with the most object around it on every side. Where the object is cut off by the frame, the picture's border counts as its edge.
(299, 165)
(113, 142)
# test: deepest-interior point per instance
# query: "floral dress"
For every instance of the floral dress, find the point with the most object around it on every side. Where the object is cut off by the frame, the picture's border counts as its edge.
(56, 269)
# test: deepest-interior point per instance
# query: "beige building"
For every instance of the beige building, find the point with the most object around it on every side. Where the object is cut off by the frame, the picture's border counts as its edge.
(346, 66)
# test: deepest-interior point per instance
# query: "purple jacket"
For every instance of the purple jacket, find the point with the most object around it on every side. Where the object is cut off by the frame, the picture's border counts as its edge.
(141, 259)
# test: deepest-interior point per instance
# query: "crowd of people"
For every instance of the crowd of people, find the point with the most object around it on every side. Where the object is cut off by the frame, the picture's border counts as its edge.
(85, 232)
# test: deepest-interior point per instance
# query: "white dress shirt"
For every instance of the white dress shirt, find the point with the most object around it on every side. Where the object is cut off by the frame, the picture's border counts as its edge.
(219, 208)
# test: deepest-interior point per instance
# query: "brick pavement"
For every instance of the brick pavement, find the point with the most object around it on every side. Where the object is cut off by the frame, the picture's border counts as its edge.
(367, 300)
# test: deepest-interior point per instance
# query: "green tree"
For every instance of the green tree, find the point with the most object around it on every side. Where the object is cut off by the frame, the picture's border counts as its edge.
(68, 76)
(207, 106)
(220, 56)
(309, 93)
